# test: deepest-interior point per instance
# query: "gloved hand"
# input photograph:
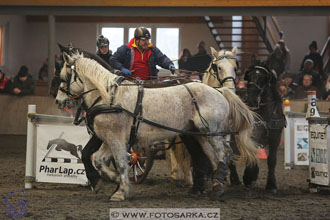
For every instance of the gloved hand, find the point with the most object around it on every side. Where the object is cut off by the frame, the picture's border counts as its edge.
(126, 71)
(171, 67)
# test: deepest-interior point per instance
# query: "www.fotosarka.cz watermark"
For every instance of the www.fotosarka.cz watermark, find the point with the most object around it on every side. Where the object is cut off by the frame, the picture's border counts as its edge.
(165, 213)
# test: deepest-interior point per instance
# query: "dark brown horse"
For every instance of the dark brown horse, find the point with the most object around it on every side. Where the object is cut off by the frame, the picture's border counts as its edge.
(263, 98)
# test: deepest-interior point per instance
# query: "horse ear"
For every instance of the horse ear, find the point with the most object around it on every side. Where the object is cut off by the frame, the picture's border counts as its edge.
(214, 52)
(234, 51)
(67, 58)
(62, 48)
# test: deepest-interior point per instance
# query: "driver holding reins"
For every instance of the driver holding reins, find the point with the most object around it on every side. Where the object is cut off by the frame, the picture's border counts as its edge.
(139, 57)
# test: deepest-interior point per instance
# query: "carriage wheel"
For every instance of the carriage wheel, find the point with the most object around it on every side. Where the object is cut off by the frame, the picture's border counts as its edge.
(140, 165)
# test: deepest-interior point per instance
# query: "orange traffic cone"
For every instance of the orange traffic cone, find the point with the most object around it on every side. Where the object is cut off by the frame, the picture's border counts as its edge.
(261, 154)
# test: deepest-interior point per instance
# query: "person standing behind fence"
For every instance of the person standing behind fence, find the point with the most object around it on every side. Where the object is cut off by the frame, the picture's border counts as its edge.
(23, 82)
(103, 50)
(315, 56)
(201, 60)
(139, 57)
(6, 86)
(286, 55)
(275, 61)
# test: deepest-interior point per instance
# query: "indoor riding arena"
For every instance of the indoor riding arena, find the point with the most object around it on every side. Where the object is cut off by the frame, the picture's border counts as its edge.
(165, 110)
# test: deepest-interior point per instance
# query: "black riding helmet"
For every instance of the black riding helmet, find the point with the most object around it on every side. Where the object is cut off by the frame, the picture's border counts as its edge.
(141, 33)
(102, 41)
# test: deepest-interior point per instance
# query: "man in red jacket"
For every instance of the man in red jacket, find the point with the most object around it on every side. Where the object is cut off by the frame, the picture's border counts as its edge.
(139, 57)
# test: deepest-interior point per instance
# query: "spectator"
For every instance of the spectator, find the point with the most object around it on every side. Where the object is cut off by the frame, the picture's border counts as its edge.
(103, 48)
(184, 59)
(308, 70)
(283, 90)
(275, 61)
(286, 55)
(301, 91)
(289, 81)
(43, 72)
(201, 60)
(316, 57)
(326, 93)
(23, 82)
(6, 86)
(241, 84)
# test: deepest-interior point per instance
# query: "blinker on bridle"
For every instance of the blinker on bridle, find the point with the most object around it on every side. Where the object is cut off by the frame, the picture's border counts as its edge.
(68, 79)
(215, 69)
(259, 88)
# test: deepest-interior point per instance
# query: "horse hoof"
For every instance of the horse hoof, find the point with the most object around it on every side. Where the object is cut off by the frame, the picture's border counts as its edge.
(98, 186)
(235, 182)
(195, 192)
(217, 193)
(117, 197)
(252, 184)
(271, 189)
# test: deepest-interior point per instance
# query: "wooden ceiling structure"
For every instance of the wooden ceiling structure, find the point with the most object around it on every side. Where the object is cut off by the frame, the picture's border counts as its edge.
(165, 7)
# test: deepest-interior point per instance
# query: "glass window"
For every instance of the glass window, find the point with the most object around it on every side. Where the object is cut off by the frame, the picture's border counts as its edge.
(131, 33)
(167, 40)
(115, 36)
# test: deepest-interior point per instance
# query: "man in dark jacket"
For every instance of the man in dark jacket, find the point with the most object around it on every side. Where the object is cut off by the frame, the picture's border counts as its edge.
(103, 48)
(6, 86)
(23, 82)
(139, 57)
(315, 56)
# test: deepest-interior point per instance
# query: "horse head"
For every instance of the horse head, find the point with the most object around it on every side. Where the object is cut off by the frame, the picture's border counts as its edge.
(259, 80)
(222, 69)
(71, 83)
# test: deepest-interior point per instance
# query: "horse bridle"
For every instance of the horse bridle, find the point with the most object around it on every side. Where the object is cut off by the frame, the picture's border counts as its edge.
(68, 82)
(214, 66)
(260, 89)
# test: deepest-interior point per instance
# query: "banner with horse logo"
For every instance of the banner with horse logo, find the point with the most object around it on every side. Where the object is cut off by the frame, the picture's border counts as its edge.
(59, 154)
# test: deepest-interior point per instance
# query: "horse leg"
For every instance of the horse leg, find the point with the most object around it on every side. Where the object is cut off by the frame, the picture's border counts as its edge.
(173, 163)
(102, 160)
(251, 175)
(202, 166)
(234, 178)
(186, 165)
(274, 141)
(93, 176)
(219, 153)
(119, 152)
(183, 159)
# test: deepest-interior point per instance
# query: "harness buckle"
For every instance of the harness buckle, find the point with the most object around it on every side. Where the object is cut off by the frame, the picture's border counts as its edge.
(139, 118)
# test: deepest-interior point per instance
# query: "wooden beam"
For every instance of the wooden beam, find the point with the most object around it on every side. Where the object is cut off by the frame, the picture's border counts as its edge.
(167, 3)
(117, 19)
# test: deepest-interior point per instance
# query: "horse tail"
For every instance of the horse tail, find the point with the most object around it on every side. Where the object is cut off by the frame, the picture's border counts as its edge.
(242, 119)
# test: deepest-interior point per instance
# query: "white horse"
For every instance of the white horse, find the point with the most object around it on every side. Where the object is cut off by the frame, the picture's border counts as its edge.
(221, 73)
(172, 107)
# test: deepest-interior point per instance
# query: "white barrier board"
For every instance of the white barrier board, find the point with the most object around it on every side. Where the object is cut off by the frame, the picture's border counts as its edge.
(300, 126)
(58, 153)
(319, 162)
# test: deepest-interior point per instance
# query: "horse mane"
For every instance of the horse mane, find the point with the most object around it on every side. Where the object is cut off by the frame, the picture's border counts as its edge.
(88, 67)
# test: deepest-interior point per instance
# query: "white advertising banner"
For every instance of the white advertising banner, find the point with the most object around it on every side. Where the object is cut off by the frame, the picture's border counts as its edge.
(319, 167)
(300, 138)
(59, 153)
